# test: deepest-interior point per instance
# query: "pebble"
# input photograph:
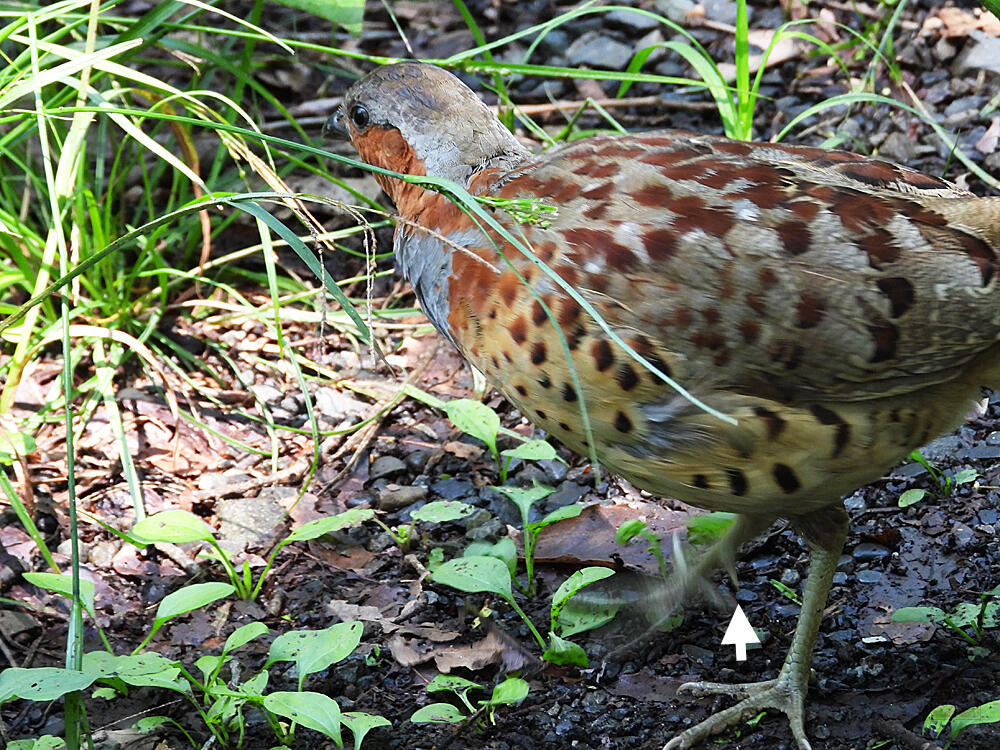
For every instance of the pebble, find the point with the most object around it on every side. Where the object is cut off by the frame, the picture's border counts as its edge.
(981, 52)
(869, 576)
(395, 496)
(699, 654)
(898, 147)
(266, 393)
(631, 22)
(335, 405)
(791, 577)
(675, 10)
(745, 596)
(867, 551)
(594, 50)
(566, 494)
(386, 466)
(454, 488)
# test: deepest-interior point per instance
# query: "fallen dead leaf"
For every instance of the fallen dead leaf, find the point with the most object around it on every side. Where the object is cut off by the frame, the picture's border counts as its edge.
(988, 143)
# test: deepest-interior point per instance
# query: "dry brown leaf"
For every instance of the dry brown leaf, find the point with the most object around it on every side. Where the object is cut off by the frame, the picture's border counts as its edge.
(988, 143)
(957, 22)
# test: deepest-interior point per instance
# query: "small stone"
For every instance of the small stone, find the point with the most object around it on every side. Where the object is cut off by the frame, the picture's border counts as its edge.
(594, 50)
(335, 405)
(386, 466)
(869, 576)
(898, 147)
(266, 393)
(867, 551)
(699, 654)
(981, 52)
(791, 577)
(675, 10)
(630, 21)
(394, 496)
(745, 596)
(723, 11)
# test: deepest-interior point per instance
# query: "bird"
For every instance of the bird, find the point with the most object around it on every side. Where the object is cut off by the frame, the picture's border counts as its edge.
(748, 327)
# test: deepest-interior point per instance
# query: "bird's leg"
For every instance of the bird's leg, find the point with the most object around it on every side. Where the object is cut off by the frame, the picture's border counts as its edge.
(688, 579)
(825, 532)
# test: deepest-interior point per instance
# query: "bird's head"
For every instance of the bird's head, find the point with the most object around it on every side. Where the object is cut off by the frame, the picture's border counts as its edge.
(419, 119)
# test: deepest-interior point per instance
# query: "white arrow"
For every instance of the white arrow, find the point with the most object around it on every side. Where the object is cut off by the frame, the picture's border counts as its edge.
(739, 634)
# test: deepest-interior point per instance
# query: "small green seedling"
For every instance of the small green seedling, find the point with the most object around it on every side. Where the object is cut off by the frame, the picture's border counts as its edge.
(636, 527)
(562, 651)
(480, 421)
(944, 716)
(786, 591)
(483, 575)
(503, 549)
(977, 616)
(180, 526)
(524, 499)
(439, 511)
(944, 484)
(510, 692)
(707, 528)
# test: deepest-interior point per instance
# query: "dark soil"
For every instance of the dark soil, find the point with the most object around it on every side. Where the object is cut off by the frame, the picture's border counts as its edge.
(876, 680)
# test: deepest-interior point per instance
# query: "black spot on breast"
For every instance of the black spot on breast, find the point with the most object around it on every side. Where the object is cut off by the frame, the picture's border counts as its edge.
(775, 424)
(521, 389)
(738, 484)
(568, 392)
(700, 481)
(544, 381)
(622, 422)
(538, 353)
(786, 478)
(626, 377)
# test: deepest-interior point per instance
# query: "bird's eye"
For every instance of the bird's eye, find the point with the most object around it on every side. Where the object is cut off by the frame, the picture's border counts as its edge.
(359, 116)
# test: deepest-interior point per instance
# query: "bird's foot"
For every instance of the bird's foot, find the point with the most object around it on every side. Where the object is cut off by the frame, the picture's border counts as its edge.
(784, 694)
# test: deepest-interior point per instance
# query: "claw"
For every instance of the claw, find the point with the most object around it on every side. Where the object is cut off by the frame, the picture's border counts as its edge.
(782, 694)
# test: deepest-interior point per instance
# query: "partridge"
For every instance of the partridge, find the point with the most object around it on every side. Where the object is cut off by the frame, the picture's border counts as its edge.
(755, 328)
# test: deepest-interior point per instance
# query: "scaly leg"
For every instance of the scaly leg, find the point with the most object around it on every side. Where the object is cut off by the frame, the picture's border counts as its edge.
(825, 532)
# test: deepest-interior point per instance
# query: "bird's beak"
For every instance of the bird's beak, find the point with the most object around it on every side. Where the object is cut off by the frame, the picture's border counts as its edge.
(333, 128)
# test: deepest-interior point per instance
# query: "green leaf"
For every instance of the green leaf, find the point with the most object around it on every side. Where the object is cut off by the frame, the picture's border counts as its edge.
(442, 511)
(63, 584)
(565, 653)
(190, 598)
(629, 529)
(361, 723)
(919, 614)
(511, 691)
(147, 724)
(315, 650)
(45, 742)
(141, 670)
(437, 713)
(451, 682)
(532, 450)
(476, 419)
(938, 718)
(559, 514)
(578, 618)
(504, 550)
(42, 683)
(348, 13)
(525, 498)
(474, 575)
(175, 526)
(911, 497)
(312, 710)
(988, 713)
(579, 579)
(965, 476)
(709, 527)
(243, 635)
(319, 527)
(14, 444)
(207, 664)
